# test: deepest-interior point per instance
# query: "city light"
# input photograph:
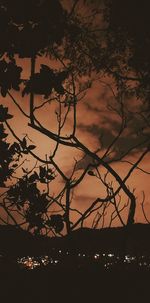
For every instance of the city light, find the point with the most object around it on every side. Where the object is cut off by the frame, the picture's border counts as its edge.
(60, 257)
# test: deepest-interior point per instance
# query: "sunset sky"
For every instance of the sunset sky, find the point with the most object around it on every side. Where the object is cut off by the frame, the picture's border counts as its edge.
(93, 120)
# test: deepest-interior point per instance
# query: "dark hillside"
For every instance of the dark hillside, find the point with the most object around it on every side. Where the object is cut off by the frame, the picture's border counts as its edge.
(133, 239)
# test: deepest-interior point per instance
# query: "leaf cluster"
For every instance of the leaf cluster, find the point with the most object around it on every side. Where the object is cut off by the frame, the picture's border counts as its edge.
(8, 152)
(9, 76)
(56, 222)
(27, 27)
(43, 82)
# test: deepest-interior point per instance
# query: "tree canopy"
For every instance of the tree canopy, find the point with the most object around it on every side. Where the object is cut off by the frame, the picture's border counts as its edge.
(80, 44)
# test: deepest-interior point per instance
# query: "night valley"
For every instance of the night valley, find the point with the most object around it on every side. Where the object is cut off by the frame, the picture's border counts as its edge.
(90, 262)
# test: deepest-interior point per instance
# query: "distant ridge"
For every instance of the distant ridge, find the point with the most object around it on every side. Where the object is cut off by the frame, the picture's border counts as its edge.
(133, 239)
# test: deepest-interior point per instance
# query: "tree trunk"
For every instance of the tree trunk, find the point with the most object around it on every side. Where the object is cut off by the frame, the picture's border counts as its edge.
(32, 93)
(67, 214)
(132, 208)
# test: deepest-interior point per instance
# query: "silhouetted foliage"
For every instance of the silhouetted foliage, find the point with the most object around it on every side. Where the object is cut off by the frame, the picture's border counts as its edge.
(56, 221)
(27, 27)
(9, 76)
(128, 44)
(24, 194)
(114, 47)
(8, 152)
(42, 83)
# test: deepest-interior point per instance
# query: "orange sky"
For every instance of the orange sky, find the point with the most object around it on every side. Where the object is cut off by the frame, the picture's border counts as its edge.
(97, 126)
(93, 120)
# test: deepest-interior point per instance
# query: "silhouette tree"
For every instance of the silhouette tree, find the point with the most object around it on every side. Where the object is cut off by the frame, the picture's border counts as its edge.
(86, 51)
(7, 151)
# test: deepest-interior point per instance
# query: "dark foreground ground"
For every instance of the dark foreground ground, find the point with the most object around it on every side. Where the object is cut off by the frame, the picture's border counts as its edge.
(124, 282)
(74, 285)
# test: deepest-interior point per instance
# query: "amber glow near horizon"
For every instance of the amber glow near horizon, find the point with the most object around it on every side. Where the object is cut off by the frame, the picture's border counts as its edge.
(93, 119)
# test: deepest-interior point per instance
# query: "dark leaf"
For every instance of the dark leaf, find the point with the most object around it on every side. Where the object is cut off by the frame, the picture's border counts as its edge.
(34, 177)
(4, 92)
(16, 146)
(31, 147)
(42, 172)
(50, 177)
(8, 116)
(24, 143)
(4, 114)
(14, 165)
(56, 221)
(91, 173)
(25, 152)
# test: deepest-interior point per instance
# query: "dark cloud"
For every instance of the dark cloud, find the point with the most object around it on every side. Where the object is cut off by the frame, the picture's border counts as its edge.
(84, 162)
(92, 108)
(133, 135)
